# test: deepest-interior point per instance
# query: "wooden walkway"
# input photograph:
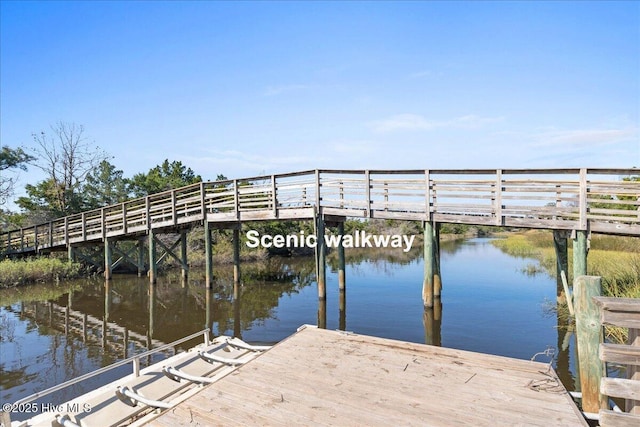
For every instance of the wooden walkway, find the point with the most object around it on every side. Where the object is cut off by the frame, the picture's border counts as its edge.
(597, 200)
(320, 377)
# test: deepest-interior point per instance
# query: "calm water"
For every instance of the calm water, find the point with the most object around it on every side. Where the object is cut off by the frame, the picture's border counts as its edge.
(49, 334)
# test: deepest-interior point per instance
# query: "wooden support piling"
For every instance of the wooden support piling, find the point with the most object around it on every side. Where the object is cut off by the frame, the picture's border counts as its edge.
(208, 249)
(71, 255)
(633, 372)
(322, 313)
(432, 283)
(341, 260)
(437, 278)
(236, 256)
(183, 256)
(580, 252)
(321, 260)
(152, 309)
(589, 337)
(153, 268)
(562, 262)
(140, 263)
(107, 259)
(342, 310)
(237, 324)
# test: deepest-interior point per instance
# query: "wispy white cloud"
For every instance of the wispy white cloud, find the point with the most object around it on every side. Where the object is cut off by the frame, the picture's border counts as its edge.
(280, 89)
(423, 74)
(235, 163)
(415, 122)
(585, 137)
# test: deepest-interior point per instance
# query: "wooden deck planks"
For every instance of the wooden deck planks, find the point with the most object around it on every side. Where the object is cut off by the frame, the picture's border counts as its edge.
(320, 377)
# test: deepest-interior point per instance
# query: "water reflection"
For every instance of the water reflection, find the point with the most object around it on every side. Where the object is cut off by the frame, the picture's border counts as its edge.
(432, 321)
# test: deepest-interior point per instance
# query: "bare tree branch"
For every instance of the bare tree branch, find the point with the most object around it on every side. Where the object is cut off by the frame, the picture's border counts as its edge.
(66, 156)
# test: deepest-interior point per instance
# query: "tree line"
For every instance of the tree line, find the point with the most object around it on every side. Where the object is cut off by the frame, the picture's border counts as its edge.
(78, 176)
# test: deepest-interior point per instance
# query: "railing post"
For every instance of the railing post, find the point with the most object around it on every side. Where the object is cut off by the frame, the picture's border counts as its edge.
(317, 189)
(367, 179)
(50, 234)
(174, 214)
(274, 195)
(589, 337)
(147, 208)
(35, 238)
(124, 218)
(203, 209)
(583, 200)
(427, 195)
(386, 196)
(103, 219)
(236, 198)
(66, 231)
(84, 226)
(498, 198)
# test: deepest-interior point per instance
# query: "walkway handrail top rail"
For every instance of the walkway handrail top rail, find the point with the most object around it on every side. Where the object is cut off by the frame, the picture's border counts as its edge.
(109, 367)
(369, 172)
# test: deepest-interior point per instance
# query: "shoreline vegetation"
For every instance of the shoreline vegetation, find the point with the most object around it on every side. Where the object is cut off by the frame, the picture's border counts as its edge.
(55, 267)
(616, 259)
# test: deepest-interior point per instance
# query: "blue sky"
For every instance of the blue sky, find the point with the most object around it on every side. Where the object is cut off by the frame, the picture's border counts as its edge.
(248, 88)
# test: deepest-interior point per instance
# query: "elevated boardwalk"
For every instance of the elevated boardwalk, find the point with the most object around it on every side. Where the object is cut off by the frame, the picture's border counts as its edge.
(597, 200)
(318, 377)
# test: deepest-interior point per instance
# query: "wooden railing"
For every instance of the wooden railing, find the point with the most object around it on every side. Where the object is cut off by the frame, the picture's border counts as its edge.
(598, 200)
(624, 313)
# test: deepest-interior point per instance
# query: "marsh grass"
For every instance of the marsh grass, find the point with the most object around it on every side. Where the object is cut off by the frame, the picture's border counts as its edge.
(31, 270)
(615, 259)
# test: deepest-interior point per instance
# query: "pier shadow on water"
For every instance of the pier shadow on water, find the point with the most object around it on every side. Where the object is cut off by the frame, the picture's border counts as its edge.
(52, 333)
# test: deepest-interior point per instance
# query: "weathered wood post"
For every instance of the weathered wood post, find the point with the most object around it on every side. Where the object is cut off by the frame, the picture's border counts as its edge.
(432, 322)
(341, 260)
(589, 337)
(633, 371)
(342, 307)
(184, 273)
(427, 284)
(321, 261)
(208, 251)
(562, 261)
(432, 284)
(236, 256)
(107, 259)
(208, 308)
(322, 313)
(140, 262)
(580, 252)
(71, 254)
(437, 278)
(237, 324)
(153, 268)
(152, 309)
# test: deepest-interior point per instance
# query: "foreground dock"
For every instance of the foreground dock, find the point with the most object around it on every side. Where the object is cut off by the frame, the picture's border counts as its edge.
(320, 377)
